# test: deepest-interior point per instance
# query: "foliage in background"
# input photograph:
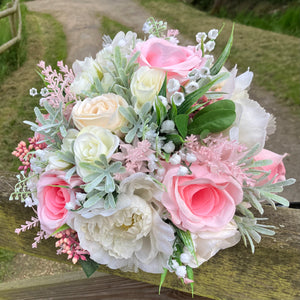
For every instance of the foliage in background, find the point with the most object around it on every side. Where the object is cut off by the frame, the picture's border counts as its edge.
(14, 57)
(272, 56)
(46, 42)
(274, 15)
(111, 27)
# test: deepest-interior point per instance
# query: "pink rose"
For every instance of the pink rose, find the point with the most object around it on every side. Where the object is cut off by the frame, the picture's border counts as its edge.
(202, 201)
(277, 166)
(178, 61)
(53, 198)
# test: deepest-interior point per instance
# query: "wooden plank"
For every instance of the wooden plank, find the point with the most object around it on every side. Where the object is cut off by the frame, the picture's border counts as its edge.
(271, 273)
(99, 286)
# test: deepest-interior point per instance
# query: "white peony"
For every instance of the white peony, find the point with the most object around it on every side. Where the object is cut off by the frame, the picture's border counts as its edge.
(133, 235)
(253, 123)
(91, 142)
(207, 244)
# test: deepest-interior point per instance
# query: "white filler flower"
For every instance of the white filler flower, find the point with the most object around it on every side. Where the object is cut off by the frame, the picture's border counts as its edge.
(133, 235)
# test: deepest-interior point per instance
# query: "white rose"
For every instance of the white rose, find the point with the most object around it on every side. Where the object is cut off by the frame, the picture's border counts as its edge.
(54, 160)
(85, 73)
(91, 142)
(207, 243)
(100, 111)
(133, 235)
(145, 85)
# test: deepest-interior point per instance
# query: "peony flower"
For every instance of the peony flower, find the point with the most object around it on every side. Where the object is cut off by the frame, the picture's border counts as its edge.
(85, 73)
(177, 61)
(202, 201)
(53, 193)
(253, 123)
(100, 111)
(91, 142)
(276, 168)
(208, 243)
(145, 85)
(133, 235)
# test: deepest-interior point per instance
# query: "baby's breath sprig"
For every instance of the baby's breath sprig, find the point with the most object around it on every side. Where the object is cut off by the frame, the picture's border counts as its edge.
(155, 28)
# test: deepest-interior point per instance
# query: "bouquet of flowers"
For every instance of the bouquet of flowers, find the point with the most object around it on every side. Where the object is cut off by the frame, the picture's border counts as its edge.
(150, 156)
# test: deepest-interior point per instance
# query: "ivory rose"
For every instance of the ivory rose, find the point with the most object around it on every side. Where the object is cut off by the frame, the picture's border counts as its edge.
(202, 201)
(52, 198)
(91, 142)
(100, 111)
(276, 168)
(133, 235)
(176, 60)
(145, 85)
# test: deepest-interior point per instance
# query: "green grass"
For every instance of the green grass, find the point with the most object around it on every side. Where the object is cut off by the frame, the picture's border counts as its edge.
(111, 27)
(46, 41)
(287, 22)
(14, 57)
(271, 56)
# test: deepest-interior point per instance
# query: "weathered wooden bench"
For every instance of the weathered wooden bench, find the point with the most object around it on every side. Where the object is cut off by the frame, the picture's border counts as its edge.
(273, 272)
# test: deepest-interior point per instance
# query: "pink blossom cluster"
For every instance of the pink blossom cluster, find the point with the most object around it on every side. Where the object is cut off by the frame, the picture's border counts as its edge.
(58, 84)
(68, 243)
(23, 152)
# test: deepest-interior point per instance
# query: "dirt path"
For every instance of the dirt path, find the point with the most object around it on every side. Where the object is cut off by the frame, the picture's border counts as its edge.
(81, 25)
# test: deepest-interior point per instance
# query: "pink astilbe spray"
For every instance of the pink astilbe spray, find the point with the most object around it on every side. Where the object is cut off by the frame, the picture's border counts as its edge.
(221, 155)
(134, 158)
(68, 243)
(29, 224)
(58, 85)
(23, 152)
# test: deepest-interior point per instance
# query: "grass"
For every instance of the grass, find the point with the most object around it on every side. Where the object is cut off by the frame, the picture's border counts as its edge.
(287, 22)
(45, 42)
(14, 57)
(271, 56)
(111, 27)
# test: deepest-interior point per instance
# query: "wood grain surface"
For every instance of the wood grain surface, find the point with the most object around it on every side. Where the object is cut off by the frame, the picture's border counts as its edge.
(235, 273)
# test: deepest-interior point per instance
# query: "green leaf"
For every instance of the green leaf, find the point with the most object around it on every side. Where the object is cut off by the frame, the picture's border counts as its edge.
(221, 104)
(276, 198)
(193, 97)
(215, 69)
(173, 111)
(187, 240)
(175, 138)
(190, 275)
(93, 200)
(181, 122)
(161, 111)
(89, 266)
(214, 121)
(162, 279)
(128, 114)
(61, 228)
(163, 90)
